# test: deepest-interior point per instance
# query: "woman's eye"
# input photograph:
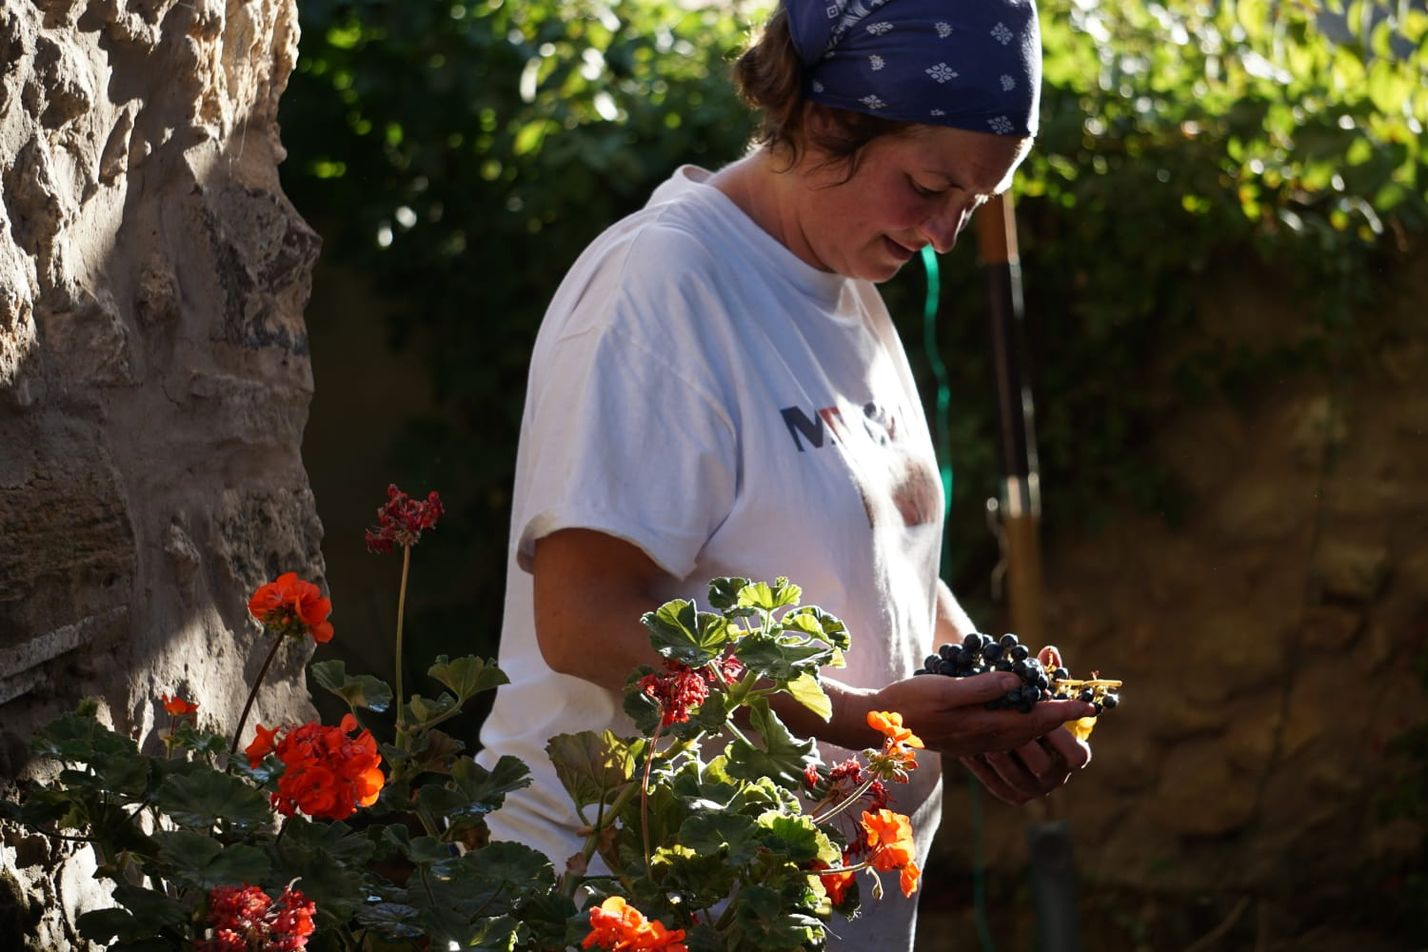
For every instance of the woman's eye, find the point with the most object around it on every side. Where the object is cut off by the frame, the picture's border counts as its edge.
(924, 190)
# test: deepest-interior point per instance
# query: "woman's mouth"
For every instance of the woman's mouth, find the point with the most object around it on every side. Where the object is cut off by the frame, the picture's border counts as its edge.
(899, 251)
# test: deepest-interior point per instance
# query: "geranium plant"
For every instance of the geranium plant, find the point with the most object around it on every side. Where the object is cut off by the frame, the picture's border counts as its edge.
(714, 826)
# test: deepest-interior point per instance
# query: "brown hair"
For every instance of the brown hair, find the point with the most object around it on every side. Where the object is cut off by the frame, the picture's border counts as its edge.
(769, 78)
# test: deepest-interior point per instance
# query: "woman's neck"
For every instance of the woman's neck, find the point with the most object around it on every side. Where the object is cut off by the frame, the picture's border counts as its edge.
(766, 191)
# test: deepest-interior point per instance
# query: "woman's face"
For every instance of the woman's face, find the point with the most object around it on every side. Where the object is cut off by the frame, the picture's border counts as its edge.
(909, 190)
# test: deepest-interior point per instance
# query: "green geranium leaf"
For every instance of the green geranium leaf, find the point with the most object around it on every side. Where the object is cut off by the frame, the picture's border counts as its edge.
(545, 914)
(468, 676)
(782, 756)
(207, 743)
(149, 906)
(718, 833)
(437, 751)
(41, 807)
(762, 919)
(392, 919)
(427, 850)
(238, 863)
(589, 765)
(79, 738)
(807, 690)
(425, 711)
(329, 859)
(362, 691)
(796, 837)
(780, 657)
(817, 623)
(681, 633)
(768, 597)
(644, 710)
(460, 897)
(724, 596)
(206, 798)
(474, 791)
(203, 862)
(500, 934)
(104, 925)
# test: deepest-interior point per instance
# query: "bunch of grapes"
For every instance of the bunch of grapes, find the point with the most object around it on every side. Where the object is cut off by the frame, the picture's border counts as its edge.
(979, 654)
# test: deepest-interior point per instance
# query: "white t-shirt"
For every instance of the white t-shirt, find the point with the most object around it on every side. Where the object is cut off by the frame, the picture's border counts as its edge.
(702, 393)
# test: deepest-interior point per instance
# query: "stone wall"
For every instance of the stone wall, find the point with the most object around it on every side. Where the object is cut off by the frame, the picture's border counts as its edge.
(1268, 646)
(154, 378)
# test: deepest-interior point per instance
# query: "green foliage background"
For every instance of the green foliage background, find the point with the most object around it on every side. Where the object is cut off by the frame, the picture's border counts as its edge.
(459, 155)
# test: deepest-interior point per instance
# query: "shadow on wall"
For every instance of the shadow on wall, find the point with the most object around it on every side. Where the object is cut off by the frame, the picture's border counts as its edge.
(154, 381)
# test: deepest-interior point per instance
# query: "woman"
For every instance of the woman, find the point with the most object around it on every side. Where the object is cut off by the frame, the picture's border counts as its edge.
(717, 390)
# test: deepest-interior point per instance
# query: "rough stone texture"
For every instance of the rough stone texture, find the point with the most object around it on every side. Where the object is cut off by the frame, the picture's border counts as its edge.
(154, 380)
(1267, 645)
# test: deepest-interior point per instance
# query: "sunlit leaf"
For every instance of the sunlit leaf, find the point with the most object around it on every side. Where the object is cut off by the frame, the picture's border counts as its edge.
(589, 765)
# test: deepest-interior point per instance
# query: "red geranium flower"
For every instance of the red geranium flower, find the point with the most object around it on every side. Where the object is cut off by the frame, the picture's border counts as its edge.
(246, 919)
(677, 690)
(177, 706)
(265, 741)
(401, 520)
(328, 773)
(291, 606)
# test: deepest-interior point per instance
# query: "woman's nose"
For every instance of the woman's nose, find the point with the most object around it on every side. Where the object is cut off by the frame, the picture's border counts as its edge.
(942, 227)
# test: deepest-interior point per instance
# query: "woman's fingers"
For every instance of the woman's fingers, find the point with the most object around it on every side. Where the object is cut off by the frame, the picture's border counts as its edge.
(1076, 754)
(1032, 770)
(993, 781)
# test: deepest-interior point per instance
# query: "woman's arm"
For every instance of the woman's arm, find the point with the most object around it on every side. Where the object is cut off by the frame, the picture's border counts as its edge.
(592, 588)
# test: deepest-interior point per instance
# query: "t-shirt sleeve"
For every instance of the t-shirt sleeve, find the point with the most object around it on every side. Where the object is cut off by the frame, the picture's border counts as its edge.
(620, 441)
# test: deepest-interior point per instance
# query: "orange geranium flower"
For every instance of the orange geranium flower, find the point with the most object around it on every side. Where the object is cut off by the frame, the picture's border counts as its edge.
(909, 878)
(292, 606)
(897, 757)
(177, 706)
(328, 773)
(617, 926)
(889, 840)
(889, 724)
(837, 884)
(265, 741)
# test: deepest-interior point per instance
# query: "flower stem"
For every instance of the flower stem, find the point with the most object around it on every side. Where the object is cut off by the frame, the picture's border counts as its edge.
(253, 695)
(572, 883)
(645, 791)
(401, 611)
(840, 807)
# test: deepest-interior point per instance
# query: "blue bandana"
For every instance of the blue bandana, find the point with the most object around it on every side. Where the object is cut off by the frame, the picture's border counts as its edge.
(970, 64)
